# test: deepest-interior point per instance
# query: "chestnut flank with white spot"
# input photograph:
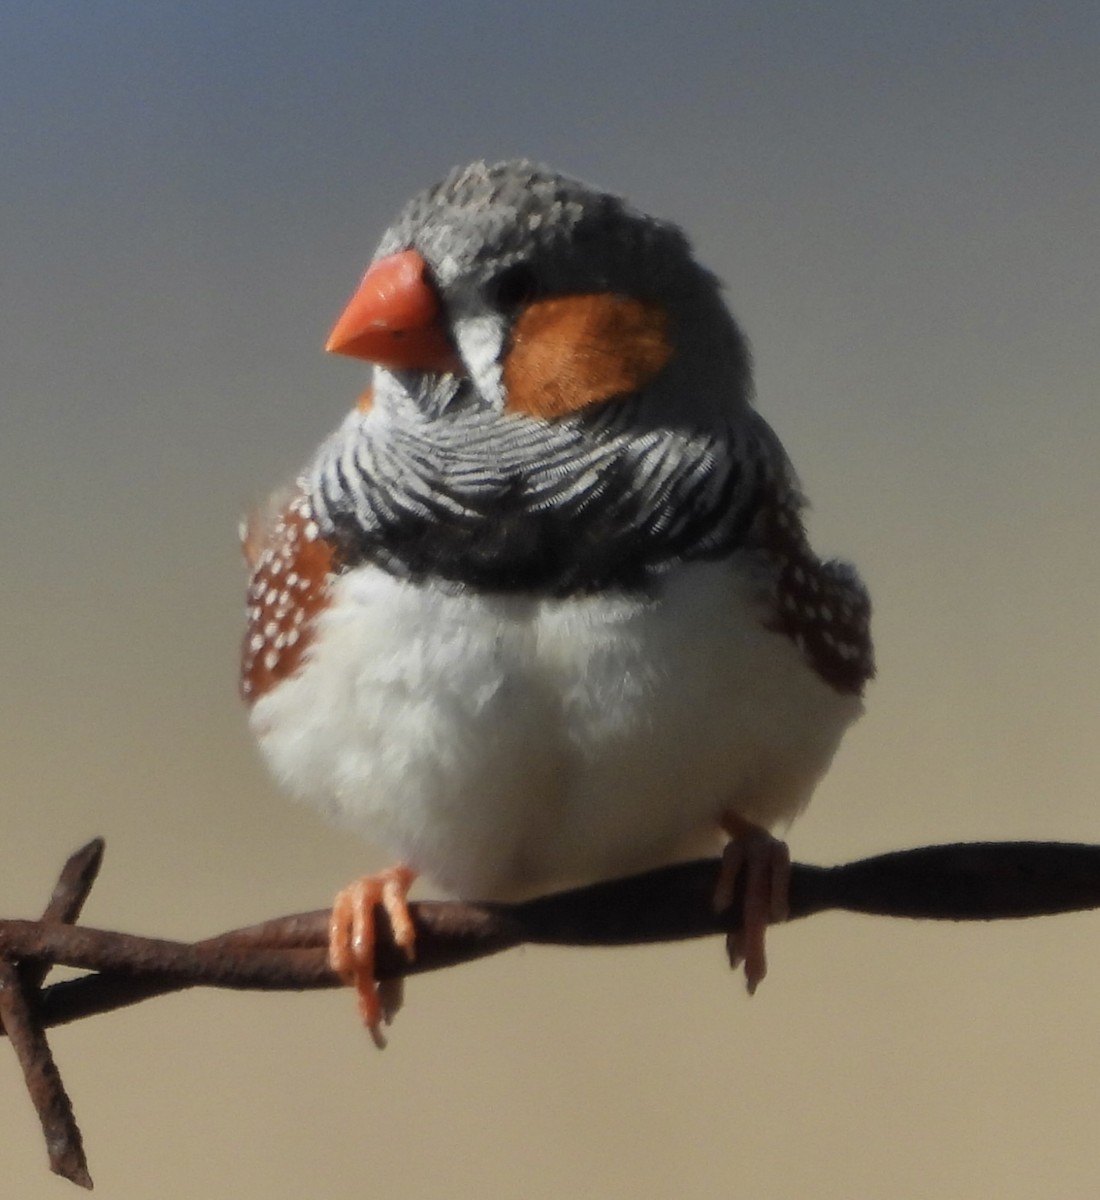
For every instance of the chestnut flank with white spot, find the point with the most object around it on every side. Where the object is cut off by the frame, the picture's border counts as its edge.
(291, 568)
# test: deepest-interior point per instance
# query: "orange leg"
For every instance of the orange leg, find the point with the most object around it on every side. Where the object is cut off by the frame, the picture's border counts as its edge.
(765, 863)
(351, 941)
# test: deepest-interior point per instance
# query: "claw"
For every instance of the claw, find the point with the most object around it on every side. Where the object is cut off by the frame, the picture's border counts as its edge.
(765, 864)
(352, 941)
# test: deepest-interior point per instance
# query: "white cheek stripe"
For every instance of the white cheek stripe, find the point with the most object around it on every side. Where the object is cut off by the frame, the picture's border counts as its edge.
(480, 341)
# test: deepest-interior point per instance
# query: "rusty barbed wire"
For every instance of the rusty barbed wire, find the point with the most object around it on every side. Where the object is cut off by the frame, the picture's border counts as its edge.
(963, 882)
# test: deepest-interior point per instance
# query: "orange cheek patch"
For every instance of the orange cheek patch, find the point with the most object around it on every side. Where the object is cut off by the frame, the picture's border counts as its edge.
(366, 401)
(291, 567)
(573, 351)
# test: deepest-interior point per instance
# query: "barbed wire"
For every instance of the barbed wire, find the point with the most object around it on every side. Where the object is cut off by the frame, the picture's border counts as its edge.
(962, 882)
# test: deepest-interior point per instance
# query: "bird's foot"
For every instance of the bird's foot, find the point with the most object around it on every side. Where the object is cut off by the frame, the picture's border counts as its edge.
(765, 863)
(352, 939)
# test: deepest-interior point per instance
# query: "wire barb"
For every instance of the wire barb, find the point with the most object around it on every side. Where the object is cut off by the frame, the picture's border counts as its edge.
(20, 983)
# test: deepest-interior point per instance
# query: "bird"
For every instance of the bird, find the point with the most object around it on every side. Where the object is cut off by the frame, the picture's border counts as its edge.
(543, 609)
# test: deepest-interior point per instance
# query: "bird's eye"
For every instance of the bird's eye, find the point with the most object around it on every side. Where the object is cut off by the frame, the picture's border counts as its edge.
(514, 286)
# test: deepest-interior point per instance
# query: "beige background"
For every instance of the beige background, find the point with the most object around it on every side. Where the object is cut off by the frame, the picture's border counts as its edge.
(904, 202)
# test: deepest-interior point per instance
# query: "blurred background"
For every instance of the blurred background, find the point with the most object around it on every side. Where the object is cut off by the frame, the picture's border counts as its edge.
(903, 200)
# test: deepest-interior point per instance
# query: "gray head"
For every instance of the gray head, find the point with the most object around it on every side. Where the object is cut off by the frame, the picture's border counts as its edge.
(562, 399)
(498, 241)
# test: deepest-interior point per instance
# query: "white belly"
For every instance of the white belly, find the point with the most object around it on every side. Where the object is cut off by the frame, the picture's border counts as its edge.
(503, 745)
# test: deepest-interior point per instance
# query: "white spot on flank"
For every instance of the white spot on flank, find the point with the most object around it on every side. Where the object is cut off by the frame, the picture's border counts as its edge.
(256, 643)
(270, 659)
(311, 530)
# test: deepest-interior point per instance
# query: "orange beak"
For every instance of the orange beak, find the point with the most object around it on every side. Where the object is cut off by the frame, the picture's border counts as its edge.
(394, 319)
